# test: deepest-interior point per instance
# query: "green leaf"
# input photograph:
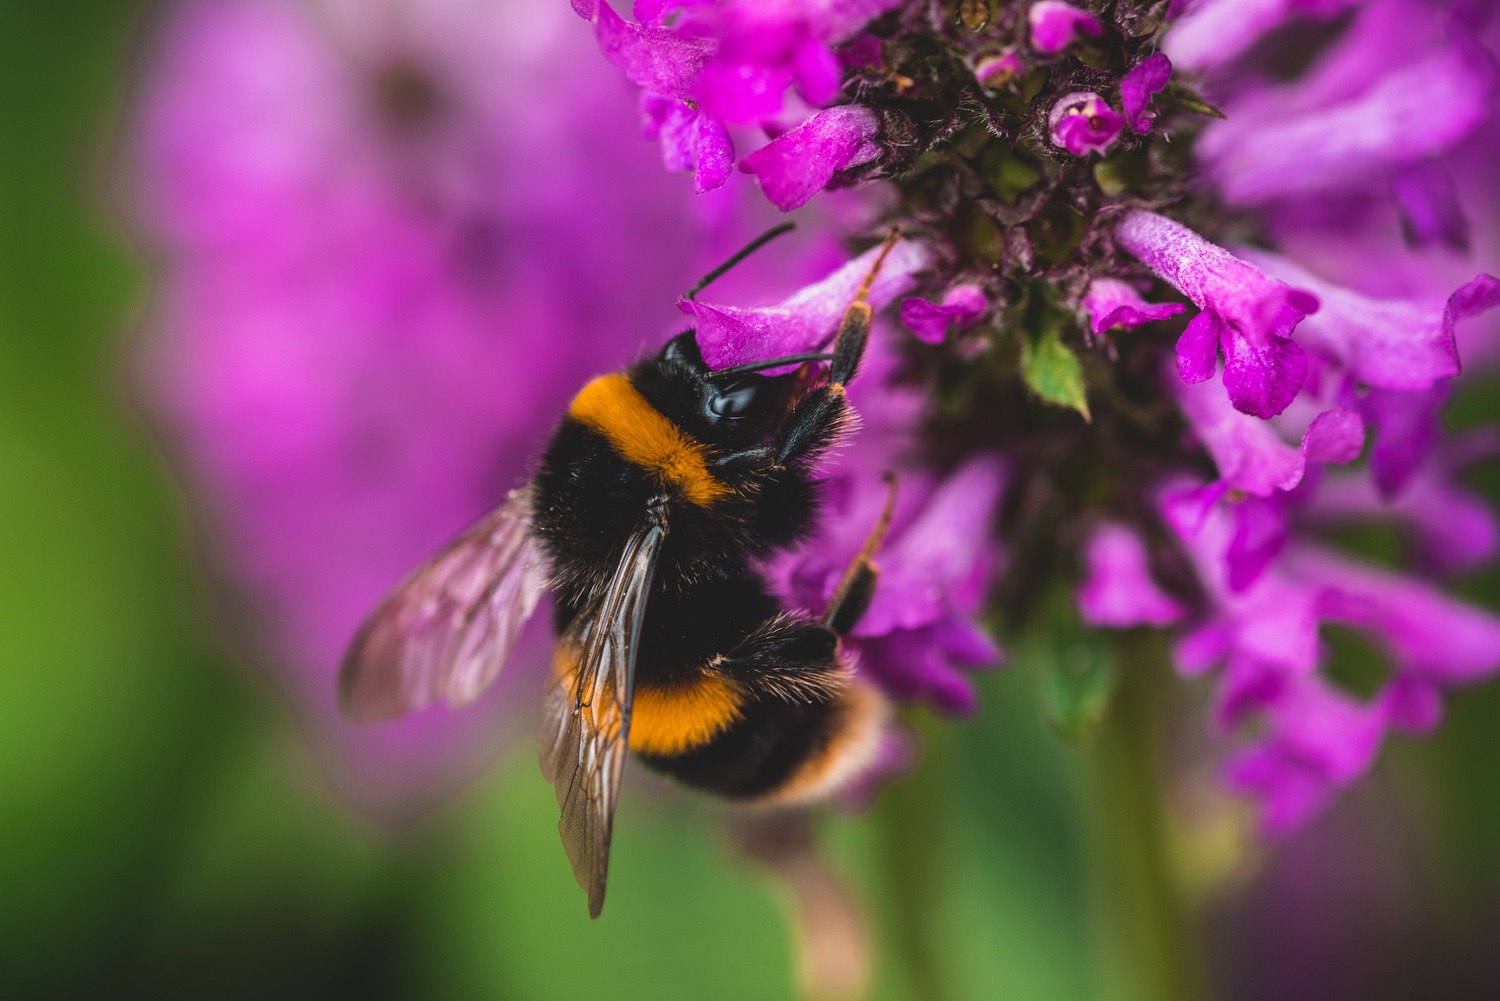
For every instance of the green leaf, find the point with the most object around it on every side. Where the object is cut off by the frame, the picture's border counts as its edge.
(1009, 173)
(1189, 99)
(1053, 371)
(1080, 683)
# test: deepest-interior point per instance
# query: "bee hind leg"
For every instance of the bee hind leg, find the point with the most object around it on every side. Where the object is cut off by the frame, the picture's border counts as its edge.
(857, 589)
(786, 658)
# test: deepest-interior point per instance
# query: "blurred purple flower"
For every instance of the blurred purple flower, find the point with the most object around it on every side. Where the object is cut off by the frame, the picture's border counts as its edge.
(1055, 25)
(1391, 93)
(1266, 635)
(363, 242)
(1211, 33)
(1117, 589)
(1452, 528)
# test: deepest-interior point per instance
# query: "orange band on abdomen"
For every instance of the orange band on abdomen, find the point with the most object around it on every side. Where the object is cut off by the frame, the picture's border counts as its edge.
(669, 721)
(642, 435)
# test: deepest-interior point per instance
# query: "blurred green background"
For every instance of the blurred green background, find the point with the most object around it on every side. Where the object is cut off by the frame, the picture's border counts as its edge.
(163, 833)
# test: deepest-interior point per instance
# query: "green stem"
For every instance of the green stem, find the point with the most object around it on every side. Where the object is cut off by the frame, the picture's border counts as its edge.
(1151, 944)
(911, 813)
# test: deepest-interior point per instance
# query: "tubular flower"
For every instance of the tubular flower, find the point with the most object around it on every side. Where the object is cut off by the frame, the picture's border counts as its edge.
(1231, 302)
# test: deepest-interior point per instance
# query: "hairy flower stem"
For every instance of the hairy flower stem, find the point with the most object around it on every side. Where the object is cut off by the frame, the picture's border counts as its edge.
(1150, 942)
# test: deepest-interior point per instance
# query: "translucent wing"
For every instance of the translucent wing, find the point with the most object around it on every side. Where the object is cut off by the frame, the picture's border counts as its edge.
(586, 719)
(446, 630)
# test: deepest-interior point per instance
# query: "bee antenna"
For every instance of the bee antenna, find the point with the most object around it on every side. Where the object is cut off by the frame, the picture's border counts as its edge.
(756, 366)
(744, 252)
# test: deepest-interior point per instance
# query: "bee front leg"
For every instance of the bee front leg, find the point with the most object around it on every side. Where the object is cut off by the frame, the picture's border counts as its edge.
(857, 589)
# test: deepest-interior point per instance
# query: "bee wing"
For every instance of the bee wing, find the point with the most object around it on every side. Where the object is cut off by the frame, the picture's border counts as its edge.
(586, 718)
(447, 629)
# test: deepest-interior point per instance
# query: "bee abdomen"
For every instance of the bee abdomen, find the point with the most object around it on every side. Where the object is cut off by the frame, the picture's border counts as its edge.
(676, 719)
(779, 752)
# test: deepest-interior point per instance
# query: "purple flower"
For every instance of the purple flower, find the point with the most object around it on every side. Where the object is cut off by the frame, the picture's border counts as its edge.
(1386, 98)
(998, 70)
(1248, 314)
(1388, 343)
(798, 164)
(1055, 25)
(1319, 739)
(961, 306)
(731, 63)
(1082, 123)
(805, 321)
(690, 140)
(1145, 78)
(1250, 452)
(918, 640)
(1112, 303)
(1117, 589)
(764, 46)
(1316, 739)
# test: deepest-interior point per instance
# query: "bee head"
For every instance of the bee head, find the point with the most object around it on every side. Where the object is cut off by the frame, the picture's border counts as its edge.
(729, 408)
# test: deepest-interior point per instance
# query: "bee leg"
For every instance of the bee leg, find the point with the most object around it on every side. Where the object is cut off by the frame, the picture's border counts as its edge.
(854, 326)
(816, 422)
(788, 659)
(857, 589)
(821, 416)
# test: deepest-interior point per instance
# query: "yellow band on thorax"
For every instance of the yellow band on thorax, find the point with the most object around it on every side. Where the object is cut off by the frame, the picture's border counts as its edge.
(642, 435)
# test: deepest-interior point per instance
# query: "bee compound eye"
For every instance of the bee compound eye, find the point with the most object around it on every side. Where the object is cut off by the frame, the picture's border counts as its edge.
(734, 400)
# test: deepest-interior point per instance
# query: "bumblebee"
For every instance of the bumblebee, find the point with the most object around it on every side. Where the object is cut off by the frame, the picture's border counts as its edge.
(660, 491)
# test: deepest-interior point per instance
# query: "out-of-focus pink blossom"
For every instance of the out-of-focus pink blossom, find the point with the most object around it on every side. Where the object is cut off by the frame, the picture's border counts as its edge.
(1117, 589)
(1314, 738)
(381, 278)
(1055, 25)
